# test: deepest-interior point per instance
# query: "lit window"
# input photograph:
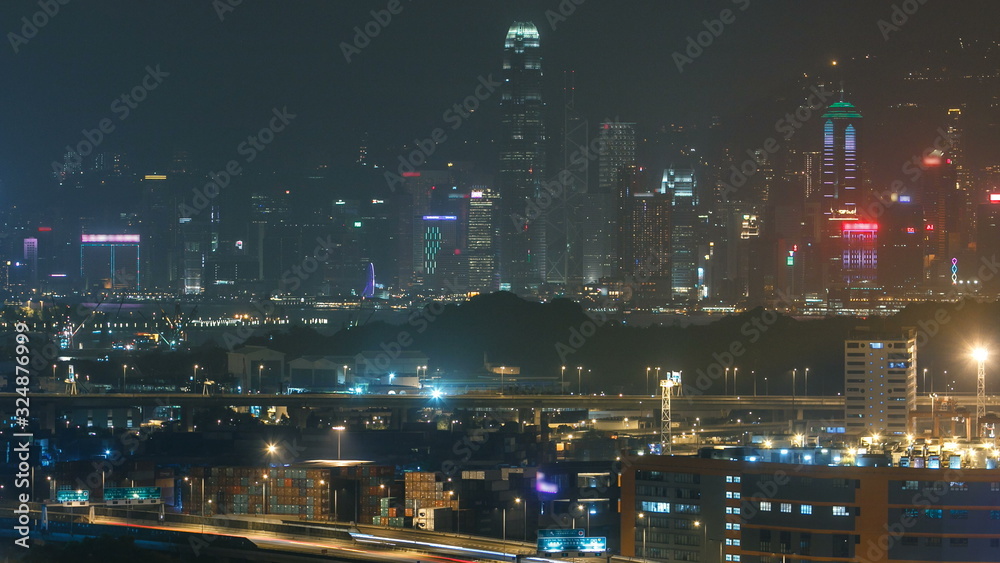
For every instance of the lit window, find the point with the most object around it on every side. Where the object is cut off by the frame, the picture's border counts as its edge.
(765, 506)
(806, 509)
(840, 511)
(786, 507)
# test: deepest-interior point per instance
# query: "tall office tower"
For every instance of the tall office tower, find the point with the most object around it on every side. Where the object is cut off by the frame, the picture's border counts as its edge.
(964, 186)
(811, 172)
(942, 203)
(522, 160)
(616, 161)
(631, 183)
(681, 187)
(840, 173)
(31, 261)
(880, 379)
(647, 245)
(840, 191)
(441, 267)
(481, 239)
(568, 220)
(988, 236)
(412, 201)
(901, 245)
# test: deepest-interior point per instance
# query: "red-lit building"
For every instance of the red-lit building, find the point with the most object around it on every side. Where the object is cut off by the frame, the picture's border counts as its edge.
(859, 262)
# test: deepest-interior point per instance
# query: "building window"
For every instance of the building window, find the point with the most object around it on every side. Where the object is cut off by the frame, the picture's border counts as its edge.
(786, 507)
(732, 478)
(910, 541)
(995, 515)
(959, 514)
(840, 511)
(911, 485)
(934, 513)
(806, 509)
(911, 512)
(933, 542)
(959, 542)
(660, 507)
(958, 486)
(765, 506)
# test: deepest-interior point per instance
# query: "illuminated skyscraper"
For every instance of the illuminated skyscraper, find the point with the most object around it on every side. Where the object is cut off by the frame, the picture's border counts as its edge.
(481, 245)
(880, 381)
(841, 177)
(522, 160)
(681, 187)
(840, 190)
(616, 165)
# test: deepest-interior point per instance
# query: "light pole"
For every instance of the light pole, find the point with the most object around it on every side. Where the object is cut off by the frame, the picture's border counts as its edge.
(805, 392)
(579, 380)
(340, 432)
(657, 373)
(925, 380)
(562, 380)
(735, 371)
(194, 375)
(263, 507)
(645, 527)
(524, 518)
(766, 392)
(753, 373)
(260, 377)
(458, 511)
(124, 367)
(725, 383)
(704, 535)
(504, 549)
(584, 509)
(647, 379)
(503, 371)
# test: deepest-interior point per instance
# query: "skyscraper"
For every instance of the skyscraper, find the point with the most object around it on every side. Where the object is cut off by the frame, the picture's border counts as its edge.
(615, 163)
(840, 191)
(522, 160)
(681, 186)
(481, 239)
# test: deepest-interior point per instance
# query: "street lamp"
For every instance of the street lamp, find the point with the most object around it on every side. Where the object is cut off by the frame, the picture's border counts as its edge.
(704, 534)
(657, 373)
(725, 383)
(579, 380)
(583, 508)
(644, 529)
(340, 432)
(260, 377)
(735, 371)
(124, 367)
(805, 392)
(925, 380)
(794, 371)
(647, 379)
(503, 371)
(271, 450)
(562, 382)
(524, 537)
(194, 375)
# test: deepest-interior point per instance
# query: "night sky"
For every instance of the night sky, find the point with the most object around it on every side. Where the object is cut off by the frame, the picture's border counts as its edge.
(226, 76)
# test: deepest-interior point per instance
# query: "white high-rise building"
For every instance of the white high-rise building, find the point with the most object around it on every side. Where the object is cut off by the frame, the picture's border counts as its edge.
(880, 377)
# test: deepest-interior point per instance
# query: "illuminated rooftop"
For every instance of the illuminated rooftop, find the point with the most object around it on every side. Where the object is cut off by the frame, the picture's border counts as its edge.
(842, 110)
